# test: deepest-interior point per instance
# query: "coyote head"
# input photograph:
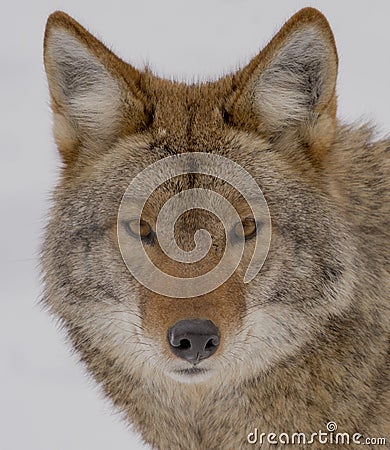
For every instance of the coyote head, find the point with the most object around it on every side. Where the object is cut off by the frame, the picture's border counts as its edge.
(271, 124)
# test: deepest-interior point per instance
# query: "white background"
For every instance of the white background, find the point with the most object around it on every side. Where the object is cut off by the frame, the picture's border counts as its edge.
(46, 400)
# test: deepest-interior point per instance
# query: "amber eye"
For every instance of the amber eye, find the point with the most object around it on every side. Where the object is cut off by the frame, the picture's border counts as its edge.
(138, 228)
(249, 228)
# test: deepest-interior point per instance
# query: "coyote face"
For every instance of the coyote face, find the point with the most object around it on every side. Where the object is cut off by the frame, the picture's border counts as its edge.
(159, 185)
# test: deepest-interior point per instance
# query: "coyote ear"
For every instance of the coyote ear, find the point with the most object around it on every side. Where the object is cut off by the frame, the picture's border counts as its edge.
(94, 94)
(292, 81)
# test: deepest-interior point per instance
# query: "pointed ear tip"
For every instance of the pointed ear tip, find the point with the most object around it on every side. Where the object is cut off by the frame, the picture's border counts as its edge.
(313, 16)
(60, 21)
(58, 18)
(310, 14)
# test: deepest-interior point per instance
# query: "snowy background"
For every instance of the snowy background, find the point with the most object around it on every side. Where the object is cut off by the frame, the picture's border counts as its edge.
(46, 400)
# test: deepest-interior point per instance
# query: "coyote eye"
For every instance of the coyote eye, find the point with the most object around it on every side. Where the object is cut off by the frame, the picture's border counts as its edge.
(139, 228)
(248, 229)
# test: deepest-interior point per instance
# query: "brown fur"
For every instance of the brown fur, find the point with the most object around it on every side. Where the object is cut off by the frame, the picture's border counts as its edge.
(307, 341)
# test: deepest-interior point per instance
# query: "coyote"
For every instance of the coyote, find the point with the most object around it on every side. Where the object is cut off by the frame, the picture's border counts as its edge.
(199, 361)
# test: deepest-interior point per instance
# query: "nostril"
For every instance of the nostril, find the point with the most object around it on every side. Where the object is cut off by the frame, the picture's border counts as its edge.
(211, 343)
(185, 344)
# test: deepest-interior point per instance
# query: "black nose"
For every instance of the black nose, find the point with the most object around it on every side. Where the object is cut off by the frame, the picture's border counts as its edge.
(193, 339)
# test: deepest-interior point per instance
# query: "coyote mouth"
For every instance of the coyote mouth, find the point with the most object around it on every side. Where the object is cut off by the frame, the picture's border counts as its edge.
(192, 371)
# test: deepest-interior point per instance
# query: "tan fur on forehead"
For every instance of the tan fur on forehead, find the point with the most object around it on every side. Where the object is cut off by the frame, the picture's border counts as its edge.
(187, 118)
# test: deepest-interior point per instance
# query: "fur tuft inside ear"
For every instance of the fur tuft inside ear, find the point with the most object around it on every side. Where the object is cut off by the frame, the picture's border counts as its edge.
(292, 81)
(297, 81)
(82, 86)
(94, 93)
